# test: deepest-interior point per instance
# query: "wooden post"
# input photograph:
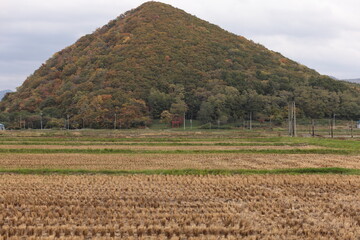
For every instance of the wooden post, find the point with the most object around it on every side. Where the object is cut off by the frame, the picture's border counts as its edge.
(351, 129)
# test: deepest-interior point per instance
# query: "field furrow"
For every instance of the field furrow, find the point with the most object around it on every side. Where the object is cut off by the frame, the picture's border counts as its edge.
(179, 207)
(175, 161)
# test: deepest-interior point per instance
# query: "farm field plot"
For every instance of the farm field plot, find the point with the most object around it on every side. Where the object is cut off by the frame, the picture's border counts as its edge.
(175, 161)
(136, 150)
(179, 207)
(163, 185)
(163, 148)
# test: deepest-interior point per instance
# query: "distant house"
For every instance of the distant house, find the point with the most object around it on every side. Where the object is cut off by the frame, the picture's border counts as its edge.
(2, 127)
(177, 121)
(358, 124)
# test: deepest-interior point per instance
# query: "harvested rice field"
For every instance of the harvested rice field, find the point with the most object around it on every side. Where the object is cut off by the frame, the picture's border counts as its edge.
(179, 207)
(175, 161)
(143, 184)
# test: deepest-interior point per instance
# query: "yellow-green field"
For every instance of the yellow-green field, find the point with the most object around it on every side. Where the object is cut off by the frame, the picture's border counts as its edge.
(146, 184)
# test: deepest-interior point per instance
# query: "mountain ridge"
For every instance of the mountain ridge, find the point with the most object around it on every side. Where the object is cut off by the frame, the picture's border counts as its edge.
(4, 92)
(353, 80)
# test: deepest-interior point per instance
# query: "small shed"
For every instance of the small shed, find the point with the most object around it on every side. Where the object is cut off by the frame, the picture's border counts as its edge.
(177, 121)
(358, 124)
(2, 127)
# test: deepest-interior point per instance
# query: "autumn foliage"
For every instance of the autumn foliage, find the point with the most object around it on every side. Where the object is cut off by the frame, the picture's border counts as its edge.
(157, 58)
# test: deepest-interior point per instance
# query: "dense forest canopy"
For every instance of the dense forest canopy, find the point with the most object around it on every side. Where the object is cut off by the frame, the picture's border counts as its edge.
(156, 62)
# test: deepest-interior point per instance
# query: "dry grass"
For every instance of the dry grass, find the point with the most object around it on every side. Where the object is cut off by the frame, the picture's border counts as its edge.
(179, 207)
(156, 148)
(175, 161)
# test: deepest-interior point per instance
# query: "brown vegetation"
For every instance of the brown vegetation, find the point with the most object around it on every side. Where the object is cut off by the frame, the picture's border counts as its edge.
(179, 207)
(156, 148)
(175, 161)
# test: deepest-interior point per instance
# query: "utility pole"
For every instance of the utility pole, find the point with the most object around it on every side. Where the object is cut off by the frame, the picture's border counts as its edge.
(184, 121)
(292, 119)
(294, 114)
(331, 123)
(334, 123)
(312, 127)
(115, 122)
(289, 119)
(41, 120)
(68, 121)
(351, 129)
(250, 121)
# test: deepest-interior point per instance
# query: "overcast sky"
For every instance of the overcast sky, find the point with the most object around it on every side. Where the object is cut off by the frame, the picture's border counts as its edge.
(321, 34)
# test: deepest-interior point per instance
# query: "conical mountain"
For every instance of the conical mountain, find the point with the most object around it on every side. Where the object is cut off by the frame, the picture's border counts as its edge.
(158, 58)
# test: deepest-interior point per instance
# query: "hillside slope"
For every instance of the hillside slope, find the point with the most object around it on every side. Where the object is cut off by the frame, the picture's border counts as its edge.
(157, 58)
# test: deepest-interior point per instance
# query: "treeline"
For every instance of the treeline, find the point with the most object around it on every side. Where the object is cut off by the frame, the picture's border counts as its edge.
(214, 102)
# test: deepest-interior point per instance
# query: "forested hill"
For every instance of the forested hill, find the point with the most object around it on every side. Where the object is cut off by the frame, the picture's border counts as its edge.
(158, 60)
